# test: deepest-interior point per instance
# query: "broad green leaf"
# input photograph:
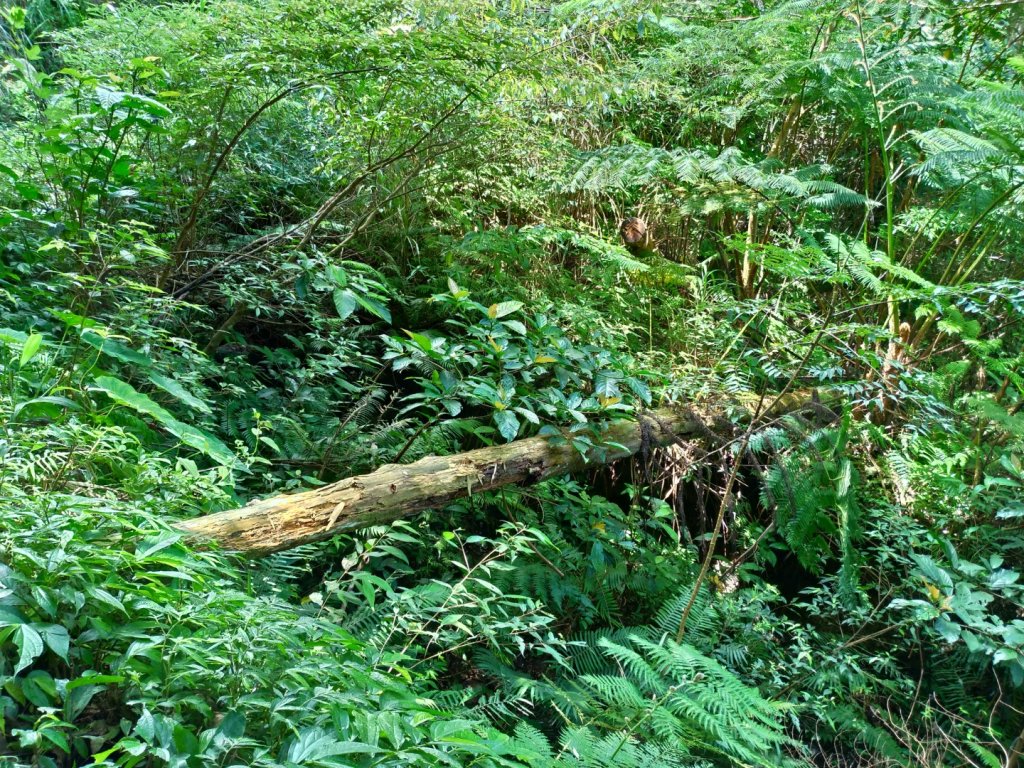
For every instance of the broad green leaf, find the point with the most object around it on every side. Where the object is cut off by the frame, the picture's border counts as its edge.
(344, 302)
(315, 744)
(1011, 511)
(115, 349)
(125, 394)
(152, 544)
(606, 383)
(16, 16)
(57, 639)
(72, 319)
(145, 726)
(9, 615)
(172, 387)
(31, 348)
(10, 336)
(29, 644)
(109, 97)
(527, 414)
(640, 389)
(39, 688)
(56, 400)
(56, 737)
(503, 308)
(933, 572)
(507, 423)
(374, 307)
(515, 326)
(78, 698)
(231, 728)
(54, 245)
(337, 275)
(422, 341)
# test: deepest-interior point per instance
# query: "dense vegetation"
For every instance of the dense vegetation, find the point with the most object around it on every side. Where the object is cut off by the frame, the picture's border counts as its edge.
(252, 246)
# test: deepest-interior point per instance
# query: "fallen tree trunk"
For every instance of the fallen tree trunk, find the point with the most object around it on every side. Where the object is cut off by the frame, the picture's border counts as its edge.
(395, 491)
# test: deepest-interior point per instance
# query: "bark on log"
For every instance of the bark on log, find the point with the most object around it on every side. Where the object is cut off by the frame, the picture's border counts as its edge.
(395, 491)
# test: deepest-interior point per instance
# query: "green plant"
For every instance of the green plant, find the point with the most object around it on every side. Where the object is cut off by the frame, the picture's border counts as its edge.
(523, 373)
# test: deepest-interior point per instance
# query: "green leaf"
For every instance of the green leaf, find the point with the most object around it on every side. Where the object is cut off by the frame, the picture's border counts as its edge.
(103, 596)
(94, 680)
(39, 688)
(503, 308)
(57, 400)
(933, 572)
(640, 389)
(145, 727)
(78, 698)
(422, 341)
(150, 545)
(527, 414)
(57, 639)
(109, 97)
(989, 759)
(374, 307)
(16, 16)
(125, 394)
(344, 302)
(316, 744)
(32, 345)
(55, 737)
(29, 644)
(231, 728)
(507, 423)
(1011, 511)
(947, 630)
(515, 326)
(606, 383)
(10, 336)
(115, 349)
(173, 388)
(337, 275)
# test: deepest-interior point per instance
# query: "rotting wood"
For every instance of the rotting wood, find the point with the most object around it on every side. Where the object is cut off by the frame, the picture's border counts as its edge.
(394, 491)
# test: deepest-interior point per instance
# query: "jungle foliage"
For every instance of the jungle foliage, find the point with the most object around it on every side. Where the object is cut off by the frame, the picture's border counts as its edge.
(252, 246)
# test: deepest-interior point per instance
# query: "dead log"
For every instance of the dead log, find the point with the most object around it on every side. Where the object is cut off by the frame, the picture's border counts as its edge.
(395, 491)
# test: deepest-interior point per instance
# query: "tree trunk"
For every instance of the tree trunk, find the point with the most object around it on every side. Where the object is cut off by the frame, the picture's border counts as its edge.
(395, 491)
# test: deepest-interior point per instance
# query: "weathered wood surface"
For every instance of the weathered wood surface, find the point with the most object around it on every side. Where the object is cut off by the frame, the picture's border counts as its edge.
(395, 491)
